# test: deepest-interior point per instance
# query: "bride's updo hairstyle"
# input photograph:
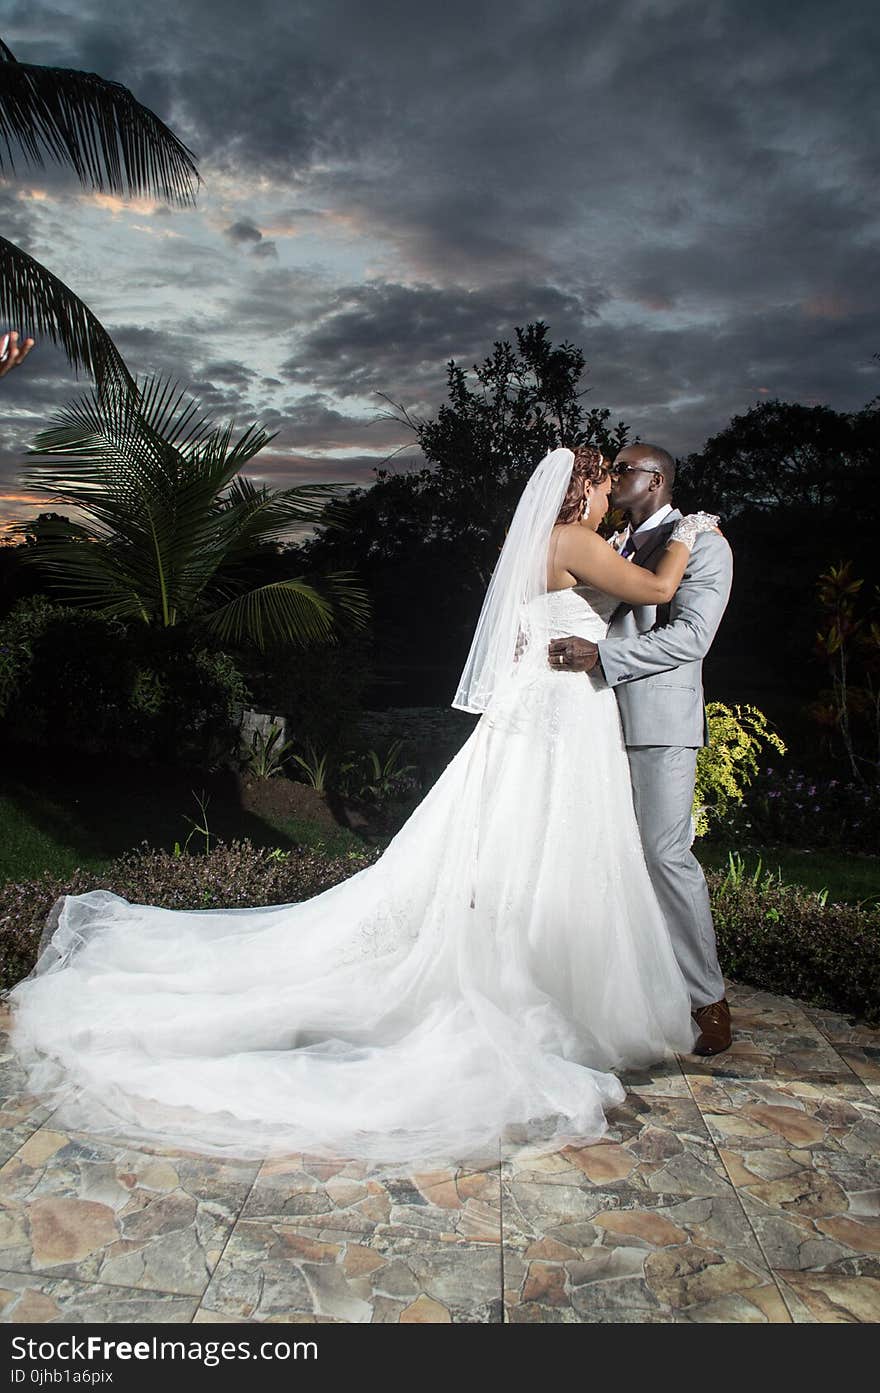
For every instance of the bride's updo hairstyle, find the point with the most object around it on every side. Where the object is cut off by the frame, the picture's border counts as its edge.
(590, 467)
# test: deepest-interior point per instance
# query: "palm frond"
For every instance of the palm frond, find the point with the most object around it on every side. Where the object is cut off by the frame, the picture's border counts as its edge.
(283, 611)
(153, 512)
(302, 503)
(154, 434)
(40, 305)
(82, 573)
(168, 529)
(95, 127)
(270, 514)
(348, 596)
(164, 405)
(118, 451)
(92, 432)
(219, 445)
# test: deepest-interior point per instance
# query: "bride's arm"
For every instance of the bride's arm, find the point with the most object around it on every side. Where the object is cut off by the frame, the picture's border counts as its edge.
(593, 562)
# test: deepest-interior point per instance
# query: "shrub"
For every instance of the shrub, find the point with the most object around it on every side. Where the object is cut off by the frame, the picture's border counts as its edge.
(776, 937)
(186, 698)
(233, 875)
(729, 762)
(74, 679)
(798, 809)
(849, 642)
(430, 736)
(783, 938)
(371, 777)
(318, 689)
(65, 676)
(267, 756)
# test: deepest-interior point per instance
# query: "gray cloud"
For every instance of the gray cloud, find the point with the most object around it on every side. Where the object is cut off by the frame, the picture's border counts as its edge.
(247, 234)
(385, 337)
(15, 224)
(243, 231)
(689, 191)
(235, 374)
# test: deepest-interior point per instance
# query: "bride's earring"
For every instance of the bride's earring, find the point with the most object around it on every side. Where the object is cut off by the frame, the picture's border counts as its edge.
(586, 510)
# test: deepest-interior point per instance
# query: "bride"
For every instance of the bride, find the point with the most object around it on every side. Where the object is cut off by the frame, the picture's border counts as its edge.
(492, 972)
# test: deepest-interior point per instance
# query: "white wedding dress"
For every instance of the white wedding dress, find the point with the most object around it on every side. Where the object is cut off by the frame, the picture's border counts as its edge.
(493, 971)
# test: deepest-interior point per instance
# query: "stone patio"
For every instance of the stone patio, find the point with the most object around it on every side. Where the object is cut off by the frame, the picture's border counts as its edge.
(745, 1188)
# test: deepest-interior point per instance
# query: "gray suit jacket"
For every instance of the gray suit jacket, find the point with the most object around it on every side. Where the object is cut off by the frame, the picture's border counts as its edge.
(653, 655)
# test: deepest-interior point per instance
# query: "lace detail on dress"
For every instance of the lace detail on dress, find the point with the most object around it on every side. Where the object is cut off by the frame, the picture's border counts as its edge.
(581, 610)
(390, 926)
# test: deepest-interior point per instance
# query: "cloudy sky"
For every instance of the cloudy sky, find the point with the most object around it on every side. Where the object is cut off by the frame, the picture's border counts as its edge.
(687, 189)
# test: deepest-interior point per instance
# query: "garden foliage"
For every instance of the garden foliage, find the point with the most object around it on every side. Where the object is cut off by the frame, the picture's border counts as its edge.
(738, 735)
(232, 875)
(318, 689)
(848, 641)
(776, 937)
(798, 809)
(788, 940)
(78, 680)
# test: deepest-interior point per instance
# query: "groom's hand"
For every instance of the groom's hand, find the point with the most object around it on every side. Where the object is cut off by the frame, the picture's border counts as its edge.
(573, 654)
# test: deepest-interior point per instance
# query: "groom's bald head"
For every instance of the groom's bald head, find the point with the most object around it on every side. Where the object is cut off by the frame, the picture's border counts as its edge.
(650, 457)
(643, 476)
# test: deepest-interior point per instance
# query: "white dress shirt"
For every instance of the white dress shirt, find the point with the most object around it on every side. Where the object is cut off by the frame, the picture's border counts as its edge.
(641, 532)
(639, 536)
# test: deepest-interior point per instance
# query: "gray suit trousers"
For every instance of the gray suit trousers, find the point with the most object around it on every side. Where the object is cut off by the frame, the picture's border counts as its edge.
(663, 793)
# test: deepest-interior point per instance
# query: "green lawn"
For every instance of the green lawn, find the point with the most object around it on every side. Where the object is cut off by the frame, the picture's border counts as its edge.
(846, 877)
(87, 815)
(28, 847)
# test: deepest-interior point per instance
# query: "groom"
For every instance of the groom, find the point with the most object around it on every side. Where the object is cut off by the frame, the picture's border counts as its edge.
(652, 657)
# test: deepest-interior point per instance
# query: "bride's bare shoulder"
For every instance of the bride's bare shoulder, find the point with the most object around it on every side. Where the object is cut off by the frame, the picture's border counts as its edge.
(576, 555)
(572, 539)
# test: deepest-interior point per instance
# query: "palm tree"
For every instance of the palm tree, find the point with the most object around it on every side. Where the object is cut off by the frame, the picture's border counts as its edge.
(171, 533)
(114, 145)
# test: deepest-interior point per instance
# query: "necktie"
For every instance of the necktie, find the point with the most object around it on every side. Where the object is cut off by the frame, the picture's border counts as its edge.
(628, 547)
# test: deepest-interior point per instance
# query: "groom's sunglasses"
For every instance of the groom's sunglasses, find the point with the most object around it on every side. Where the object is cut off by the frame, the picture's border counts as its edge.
(630, 469)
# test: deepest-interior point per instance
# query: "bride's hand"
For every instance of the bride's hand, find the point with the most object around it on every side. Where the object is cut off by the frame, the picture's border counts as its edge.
(688, 528)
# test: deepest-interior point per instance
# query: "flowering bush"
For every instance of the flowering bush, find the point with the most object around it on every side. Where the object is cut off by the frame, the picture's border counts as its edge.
(797, 809)
(727, 765)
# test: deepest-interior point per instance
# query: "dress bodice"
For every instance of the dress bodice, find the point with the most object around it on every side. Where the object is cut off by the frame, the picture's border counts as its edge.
(581, 611)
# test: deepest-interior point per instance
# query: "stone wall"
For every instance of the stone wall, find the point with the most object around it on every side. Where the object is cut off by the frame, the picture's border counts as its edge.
(259, 721)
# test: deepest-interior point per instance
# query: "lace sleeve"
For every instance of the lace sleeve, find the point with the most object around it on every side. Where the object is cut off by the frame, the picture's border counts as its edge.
(688, 528)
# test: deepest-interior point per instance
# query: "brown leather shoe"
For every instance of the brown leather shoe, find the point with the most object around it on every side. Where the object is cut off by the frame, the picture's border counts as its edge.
(714, 1023)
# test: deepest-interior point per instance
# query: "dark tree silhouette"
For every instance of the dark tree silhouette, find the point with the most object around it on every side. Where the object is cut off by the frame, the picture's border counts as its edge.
(790, 461)
(796, 490)
(425, 540)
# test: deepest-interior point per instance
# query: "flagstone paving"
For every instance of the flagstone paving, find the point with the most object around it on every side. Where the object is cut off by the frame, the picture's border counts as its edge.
(740, 1188)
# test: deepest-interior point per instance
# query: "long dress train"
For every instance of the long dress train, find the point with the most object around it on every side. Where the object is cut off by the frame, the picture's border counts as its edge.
(497, 966)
